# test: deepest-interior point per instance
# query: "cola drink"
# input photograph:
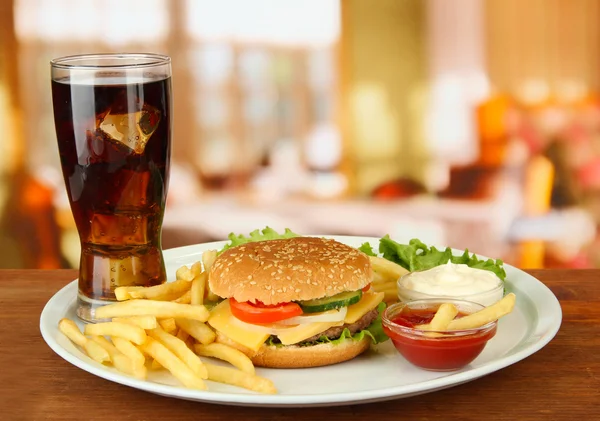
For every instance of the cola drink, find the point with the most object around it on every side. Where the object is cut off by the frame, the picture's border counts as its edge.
(114, 137)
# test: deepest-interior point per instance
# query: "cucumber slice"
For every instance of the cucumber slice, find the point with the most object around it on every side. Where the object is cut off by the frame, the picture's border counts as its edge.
(343, 299)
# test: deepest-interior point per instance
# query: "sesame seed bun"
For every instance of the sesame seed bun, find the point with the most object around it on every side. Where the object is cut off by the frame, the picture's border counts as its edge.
(294, 356)
(280, 271)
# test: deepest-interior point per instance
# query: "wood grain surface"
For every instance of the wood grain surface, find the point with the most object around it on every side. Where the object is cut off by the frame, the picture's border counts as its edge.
(560, 382)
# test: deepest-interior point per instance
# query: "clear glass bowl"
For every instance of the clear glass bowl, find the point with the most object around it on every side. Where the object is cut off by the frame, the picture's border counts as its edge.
(485, 298)
(439, 350)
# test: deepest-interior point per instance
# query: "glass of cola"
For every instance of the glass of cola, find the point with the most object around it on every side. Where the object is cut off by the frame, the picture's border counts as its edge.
(112, 114)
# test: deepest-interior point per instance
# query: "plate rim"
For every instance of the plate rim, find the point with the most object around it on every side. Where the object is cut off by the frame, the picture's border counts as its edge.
(301, 400)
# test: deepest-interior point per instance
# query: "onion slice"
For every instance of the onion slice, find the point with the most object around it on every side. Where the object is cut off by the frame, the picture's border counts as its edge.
(325, 316)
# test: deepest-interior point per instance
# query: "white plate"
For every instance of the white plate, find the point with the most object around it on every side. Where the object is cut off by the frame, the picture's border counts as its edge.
(377, 375)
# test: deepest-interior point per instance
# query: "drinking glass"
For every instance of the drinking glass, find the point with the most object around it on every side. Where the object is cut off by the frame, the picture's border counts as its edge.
(112, 114)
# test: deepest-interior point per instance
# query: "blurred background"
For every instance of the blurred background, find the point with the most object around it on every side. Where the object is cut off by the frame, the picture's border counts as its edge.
(468, 123)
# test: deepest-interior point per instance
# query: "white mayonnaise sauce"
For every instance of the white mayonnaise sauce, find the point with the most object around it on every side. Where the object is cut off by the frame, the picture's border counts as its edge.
(452, 280)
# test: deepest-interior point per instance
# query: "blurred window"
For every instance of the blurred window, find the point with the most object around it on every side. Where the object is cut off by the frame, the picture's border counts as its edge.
(250, 72)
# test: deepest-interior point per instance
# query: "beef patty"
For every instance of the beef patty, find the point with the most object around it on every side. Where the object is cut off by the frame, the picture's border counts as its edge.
(336, 331)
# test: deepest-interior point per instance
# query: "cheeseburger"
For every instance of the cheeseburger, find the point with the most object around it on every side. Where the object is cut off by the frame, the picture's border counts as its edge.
(295, 302)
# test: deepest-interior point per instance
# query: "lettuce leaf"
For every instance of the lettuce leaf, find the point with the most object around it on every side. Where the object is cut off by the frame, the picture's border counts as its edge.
(416, 256)
(367, 249)
(374, 331)
(256, 235)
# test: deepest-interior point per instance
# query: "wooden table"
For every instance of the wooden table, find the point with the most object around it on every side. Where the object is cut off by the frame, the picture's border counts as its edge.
(560, 382)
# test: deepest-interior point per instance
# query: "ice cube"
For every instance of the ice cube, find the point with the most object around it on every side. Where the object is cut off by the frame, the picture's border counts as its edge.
(132, 129)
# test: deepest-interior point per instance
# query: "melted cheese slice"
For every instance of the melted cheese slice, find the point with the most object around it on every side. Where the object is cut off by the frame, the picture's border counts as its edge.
(299, 333)
(222, 320)
(368, 302)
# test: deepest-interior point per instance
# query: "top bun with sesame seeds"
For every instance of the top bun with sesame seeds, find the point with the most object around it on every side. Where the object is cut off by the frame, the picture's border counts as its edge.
(292, 269)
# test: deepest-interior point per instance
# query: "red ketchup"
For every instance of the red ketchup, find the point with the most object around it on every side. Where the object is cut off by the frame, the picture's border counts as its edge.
(450, 350)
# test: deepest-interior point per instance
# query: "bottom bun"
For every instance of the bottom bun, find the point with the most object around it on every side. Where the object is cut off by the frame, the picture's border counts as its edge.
(309, 356)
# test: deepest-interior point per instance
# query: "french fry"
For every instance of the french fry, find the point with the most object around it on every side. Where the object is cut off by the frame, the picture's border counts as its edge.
(119, 360)
(196, 269)
(197, 291)
(160, 309)
(391, 288)
(489, 314)
(181, 350)
(96, 352)
(155, 365)
(389, 296)
(445, 314)
(387, 268)
(208, 258)
(93, 350)
(122, 293)
(211, 296)
(132, 333)
(129, 350)
(164, 292)
(190, 342)
(182, 334)
(168, 325)
(145, 322)
(197, 330)
(233, 356)
(71, 331)
(170, 361)
(385, 287)
(236, 377)
(378, 278)
(442, 318)
(184, 273)
(185, 298)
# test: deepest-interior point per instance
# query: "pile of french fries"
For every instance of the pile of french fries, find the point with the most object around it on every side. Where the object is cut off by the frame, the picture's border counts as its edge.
(385, 277)
(164, 327)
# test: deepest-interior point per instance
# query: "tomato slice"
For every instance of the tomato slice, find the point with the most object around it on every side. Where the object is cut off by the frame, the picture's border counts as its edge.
(260, 313)
(366, 288)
